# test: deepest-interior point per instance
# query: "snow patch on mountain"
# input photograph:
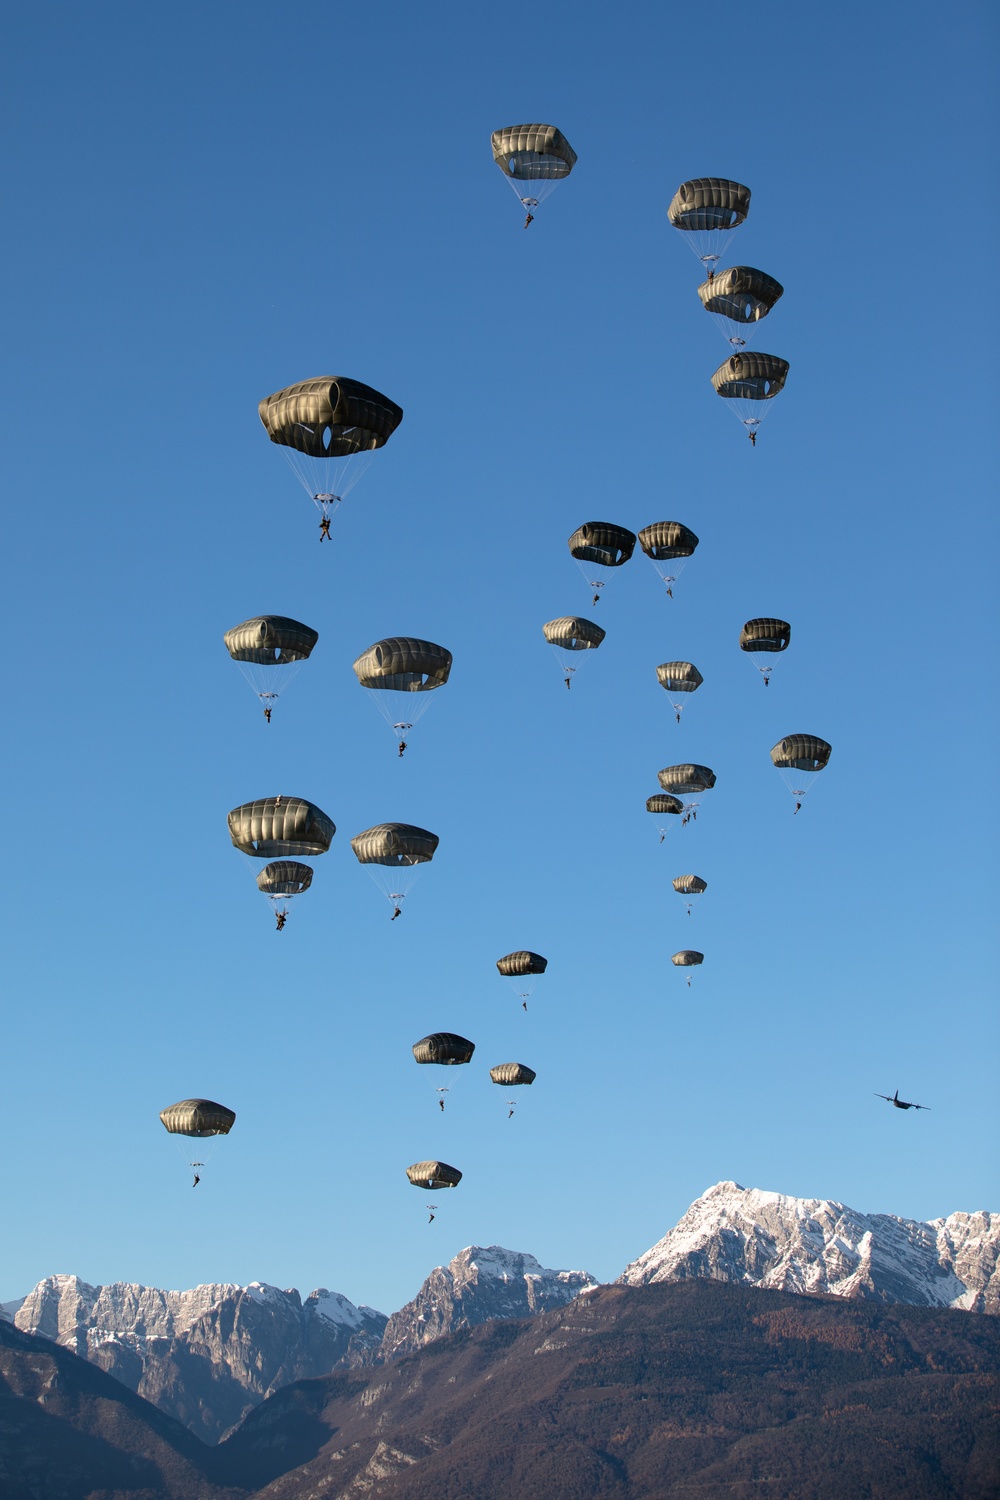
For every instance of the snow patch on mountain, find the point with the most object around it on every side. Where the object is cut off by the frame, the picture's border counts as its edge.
(816, 1245)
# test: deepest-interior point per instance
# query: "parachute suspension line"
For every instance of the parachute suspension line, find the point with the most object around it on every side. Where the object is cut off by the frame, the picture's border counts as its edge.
(530, 192)
(401, 711)
(328, 481)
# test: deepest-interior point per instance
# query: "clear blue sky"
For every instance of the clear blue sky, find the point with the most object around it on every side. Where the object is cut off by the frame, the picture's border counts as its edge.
(206, 203)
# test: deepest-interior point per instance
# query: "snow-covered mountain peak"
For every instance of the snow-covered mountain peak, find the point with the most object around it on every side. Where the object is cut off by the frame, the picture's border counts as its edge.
(769, 1239)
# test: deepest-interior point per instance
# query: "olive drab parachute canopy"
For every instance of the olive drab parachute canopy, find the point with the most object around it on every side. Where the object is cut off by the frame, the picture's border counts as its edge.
(762, 638)
(510, 1074)
(707, 210)
(749, 382)
(402, 665)
(433, 1174)
(568, 635)
(798, 753)
(281, 881)
(198, 1119)
(393, 852)
(668, 545)
(678, 678)
(443, 1047)
(738, 299)
(522, 968)
(599, 547)
(688, 886)
(686, 779)
(329, 427)
(663, 805)
(533, 159)
(270, 649)
(688, 958)
(272, 827)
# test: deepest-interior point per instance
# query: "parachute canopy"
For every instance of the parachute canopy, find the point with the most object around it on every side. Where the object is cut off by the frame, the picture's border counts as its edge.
(679, 676)
(284, 877)
(511, 1073)
(443, 1047)
(198, 1117)
(765, 634)
(331, 416)
(603, 543)
(707, 203)
(750, 376)
(689, 885)
(522, 962)
(394, 844)
(270, 640)
(687, 958)
(571, 633)
(274, 826)
(664, 540)
(686, 778)
(433, 1174)
(533, 153)
(662, 802)
(403, 664)
(741, 294)
(801, 752)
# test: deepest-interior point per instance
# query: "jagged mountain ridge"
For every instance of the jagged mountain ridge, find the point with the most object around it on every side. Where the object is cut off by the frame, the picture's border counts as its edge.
(815, 1245)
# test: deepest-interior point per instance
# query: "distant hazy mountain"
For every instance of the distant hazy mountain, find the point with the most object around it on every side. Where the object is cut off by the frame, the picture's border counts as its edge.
(205, 1356)
(766, 1239)
(479, 1285)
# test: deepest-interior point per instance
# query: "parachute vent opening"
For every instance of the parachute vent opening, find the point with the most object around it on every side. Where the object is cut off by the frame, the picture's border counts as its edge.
(327, 438)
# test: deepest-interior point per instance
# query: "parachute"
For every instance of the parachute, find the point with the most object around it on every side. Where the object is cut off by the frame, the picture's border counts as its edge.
(749, 382)
(686, 778)
(571, 634)
(662, 804)
(533, 158)
(198, 1119)
(522, 968)
(270, 649)
(738, 298)
(708, 210)
(689, 885)
(272, 827)
(393, 851)
(599, 547)
(398, 665)
(798, 753)
(329, 427)
(668, 545)
(509, 1074)
(762, 638)
(443, 1047)
(678, 678)
(281, 881)
(688, 958)
(433, 1174)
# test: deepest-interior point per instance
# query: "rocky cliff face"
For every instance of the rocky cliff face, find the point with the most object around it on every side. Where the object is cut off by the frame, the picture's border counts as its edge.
(477, 1286)
(205, 1356)
(814, 1245)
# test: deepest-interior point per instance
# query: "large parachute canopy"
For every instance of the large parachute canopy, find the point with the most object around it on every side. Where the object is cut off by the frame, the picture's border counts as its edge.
(571, 634)
(533, 159)
(270, 649)
(688, 886)
(433, 1174)
(678, 678)
(738, 299)
(688, 958)
(749, 382)
(599, 547)
(762, 638)
(686, 778)
(402, 664)
(392, 852)
(662, 803)
(329, 427)
(284, 878)
(272, 827)
(522, 968)
(668, 545)
(444, 1047)
(198, 1117)
(512, 1073)
(798, 753)
(707, 210)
